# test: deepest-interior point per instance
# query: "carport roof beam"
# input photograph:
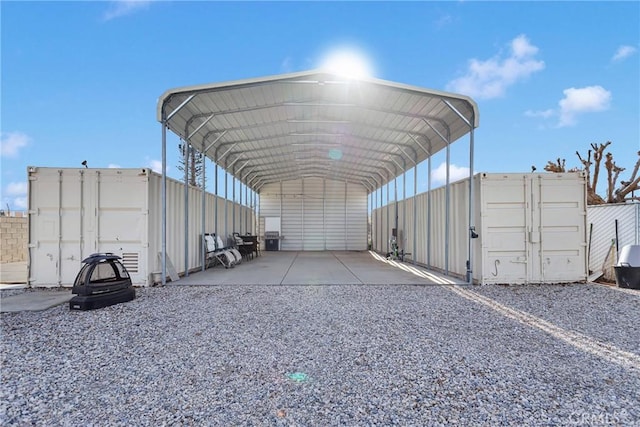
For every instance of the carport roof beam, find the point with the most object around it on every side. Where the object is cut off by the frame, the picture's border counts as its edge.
(201, 126)
(174, 112)
(419, 144)
(213, 143)
(276, 109)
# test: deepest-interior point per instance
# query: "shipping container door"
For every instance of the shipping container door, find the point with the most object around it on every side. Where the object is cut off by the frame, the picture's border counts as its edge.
(57, 226)
(533, 228)
(561, 243)
(122, 220)
(505, 217)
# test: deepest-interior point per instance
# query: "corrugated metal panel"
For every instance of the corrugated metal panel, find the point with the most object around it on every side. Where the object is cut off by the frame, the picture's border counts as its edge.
(504, 228)
(335, 208)
(292, 202)
(563, 228)
(356, 218)
(408, 231)
(313, 216)
(318, 214)
(602, 221)
(76, 212)
(277, 118)
(531, 228)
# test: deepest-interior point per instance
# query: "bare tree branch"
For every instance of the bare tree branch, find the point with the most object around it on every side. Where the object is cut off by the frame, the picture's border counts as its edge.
(613, 194)
(558, 167)
(597, 157)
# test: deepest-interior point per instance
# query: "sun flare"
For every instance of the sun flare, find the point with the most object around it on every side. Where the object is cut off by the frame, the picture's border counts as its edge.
(348, 62)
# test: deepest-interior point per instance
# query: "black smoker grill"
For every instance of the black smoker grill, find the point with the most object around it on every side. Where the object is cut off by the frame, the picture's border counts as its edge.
(272, 240)
(102, 281)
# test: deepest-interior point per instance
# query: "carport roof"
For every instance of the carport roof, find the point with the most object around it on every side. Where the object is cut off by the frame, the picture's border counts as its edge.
(316, 124)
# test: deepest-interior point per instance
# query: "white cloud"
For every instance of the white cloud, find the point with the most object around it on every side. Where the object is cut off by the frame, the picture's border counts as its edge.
(545, 114)
(582, 100)
(20, 203)
(12, 142)
(624, 52)
(439, 174)
(491, 78)
(156, 165)
(114, 166)
(125, 7)
(15, 196)
(16, 189)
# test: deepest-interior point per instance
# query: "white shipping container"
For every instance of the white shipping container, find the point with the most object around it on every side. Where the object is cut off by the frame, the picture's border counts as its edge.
(76, 212)
(531, 228)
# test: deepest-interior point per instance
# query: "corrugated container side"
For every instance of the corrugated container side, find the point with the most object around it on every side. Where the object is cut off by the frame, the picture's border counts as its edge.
(531, 228)
(76, 212)
(408, 229)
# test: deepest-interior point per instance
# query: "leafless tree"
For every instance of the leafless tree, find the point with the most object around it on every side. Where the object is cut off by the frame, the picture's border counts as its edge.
(616, 193)
(195, 162)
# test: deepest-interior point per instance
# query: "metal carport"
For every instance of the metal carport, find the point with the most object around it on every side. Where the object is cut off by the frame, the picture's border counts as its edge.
(269, 129)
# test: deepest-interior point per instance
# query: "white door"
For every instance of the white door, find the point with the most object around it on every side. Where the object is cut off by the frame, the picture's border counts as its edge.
(505, 225)
(533, 228)
(560, 250)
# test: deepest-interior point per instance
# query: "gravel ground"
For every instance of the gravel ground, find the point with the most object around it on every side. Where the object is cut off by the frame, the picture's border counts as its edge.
(320, 355)
(598, 311)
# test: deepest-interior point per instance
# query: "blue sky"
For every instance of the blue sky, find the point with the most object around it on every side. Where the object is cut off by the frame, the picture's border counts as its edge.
(80, 80)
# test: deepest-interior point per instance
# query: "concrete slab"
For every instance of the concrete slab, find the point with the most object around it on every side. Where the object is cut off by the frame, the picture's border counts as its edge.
(319, 268)
(34, 300)
(316, 268)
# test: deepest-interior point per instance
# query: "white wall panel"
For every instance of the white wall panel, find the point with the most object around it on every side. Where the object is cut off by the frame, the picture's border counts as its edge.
(292, 209)
(335, 206)
(601, 221)
(77, 212)
(531, 228)
(313, 216)
(356, 218)
(317, 214)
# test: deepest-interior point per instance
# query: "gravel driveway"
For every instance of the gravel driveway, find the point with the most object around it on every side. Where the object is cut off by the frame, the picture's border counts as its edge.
(328, 355)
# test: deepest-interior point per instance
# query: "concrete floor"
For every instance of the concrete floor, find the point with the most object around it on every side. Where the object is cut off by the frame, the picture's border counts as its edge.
(271, 268)
(316, 268)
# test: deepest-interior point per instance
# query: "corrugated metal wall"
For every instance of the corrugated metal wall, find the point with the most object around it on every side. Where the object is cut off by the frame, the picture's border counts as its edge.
(77, 212)
(317, 214)
(224, 225)
(531, 228)
(313, 214)
(356, 217)
(602, 222)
